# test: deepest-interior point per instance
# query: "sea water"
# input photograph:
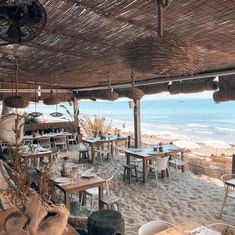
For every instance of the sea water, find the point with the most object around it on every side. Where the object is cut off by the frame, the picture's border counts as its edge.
(200, 119)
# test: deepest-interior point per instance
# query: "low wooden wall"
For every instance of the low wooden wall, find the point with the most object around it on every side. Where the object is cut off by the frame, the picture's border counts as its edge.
(67, 126)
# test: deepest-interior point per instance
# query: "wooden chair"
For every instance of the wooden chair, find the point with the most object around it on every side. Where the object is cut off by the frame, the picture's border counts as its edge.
(103, 150)
(73, 139)
(45, 142)
(229, 189)
(60, 141)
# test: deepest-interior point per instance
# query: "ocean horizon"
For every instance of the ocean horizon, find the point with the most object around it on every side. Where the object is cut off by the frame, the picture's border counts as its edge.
(200, 118)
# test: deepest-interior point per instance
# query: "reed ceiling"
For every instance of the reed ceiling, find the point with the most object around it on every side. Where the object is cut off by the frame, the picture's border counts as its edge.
(84, 40)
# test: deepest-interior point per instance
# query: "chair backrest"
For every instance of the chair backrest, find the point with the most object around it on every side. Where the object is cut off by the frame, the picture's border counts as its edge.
(222, 228)
(107, 177)
(44, 141)
(60, 139)
(161, 163)
(153, 227)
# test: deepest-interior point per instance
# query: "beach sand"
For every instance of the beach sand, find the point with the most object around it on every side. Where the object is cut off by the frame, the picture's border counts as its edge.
(196, 198)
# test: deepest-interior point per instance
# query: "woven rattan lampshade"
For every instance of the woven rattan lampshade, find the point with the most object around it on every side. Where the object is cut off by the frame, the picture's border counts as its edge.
(162, 55)
(193, 86)
(16, 102)
(105, 95)
(52, 99)
(224, 95)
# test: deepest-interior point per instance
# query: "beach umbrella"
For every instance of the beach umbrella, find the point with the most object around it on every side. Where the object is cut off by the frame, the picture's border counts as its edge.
(187, 144)
(217, 144)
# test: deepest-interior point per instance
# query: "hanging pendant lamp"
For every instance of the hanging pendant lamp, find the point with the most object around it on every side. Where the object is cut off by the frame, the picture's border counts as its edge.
(134, 92)
(163, 53)
(16, 101)
(52, 99)
(35, 113)
(56, 113)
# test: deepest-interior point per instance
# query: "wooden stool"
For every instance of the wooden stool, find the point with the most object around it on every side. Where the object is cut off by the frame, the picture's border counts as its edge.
(128, 172)
(84, 155)
(110, 201)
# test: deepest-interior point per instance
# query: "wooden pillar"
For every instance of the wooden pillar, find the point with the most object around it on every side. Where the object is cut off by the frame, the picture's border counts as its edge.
(233, 164)
(75, 109)
(137, 124)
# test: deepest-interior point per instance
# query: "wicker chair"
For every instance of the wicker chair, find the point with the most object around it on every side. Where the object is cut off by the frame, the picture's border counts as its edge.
(229, 189)
(178, 163)
(159, 165)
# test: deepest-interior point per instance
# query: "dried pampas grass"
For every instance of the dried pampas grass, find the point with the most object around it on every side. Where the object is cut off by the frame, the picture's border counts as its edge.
(163, 55)
(16, 102)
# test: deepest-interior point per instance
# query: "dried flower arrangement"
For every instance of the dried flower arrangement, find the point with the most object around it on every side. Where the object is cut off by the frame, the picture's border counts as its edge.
(93, 126)
(34, 214)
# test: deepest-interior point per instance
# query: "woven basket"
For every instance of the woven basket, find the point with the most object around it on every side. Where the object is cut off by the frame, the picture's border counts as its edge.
(16, 102)
(162, 55)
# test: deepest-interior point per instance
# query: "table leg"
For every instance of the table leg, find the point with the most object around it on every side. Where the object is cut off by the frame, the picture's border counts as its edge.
(92, 153)
(67, 200)
(182, 157)
(100, 196)
(128, 159)
(144, 171)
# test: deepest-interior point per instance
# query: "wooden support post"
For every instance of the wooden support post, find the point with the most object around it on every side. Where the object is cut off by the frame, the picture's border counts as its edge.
(75, 109)
(137, 124)
(233, 164)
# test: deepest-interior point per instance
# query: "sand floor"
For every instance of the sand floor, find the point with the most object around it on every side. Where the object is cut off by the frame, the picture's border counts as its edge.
(193, 198)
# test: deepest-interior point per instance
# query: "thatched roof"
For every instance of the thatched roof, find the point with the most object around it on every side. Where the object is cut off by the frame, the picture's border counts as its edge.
(83, 39)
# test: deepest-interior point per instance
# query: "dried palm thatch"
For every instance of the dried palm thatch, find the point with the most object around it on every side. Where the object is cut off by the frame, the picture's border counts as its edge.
(224, 95)
(154, 89)
(16, 102)
(167, 54)
(193, 86)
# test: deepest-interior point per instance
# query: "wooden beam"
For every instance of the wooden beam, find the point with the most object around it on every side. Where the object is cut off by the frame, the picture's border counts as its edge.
(137, 124)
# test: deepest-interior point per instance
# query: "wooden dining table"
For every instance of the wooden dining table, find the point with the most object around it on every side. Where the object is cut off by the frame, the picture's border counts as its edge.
(147, 154)
(38, 137)
(4, 213)
(94, 142)
(37, 156)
